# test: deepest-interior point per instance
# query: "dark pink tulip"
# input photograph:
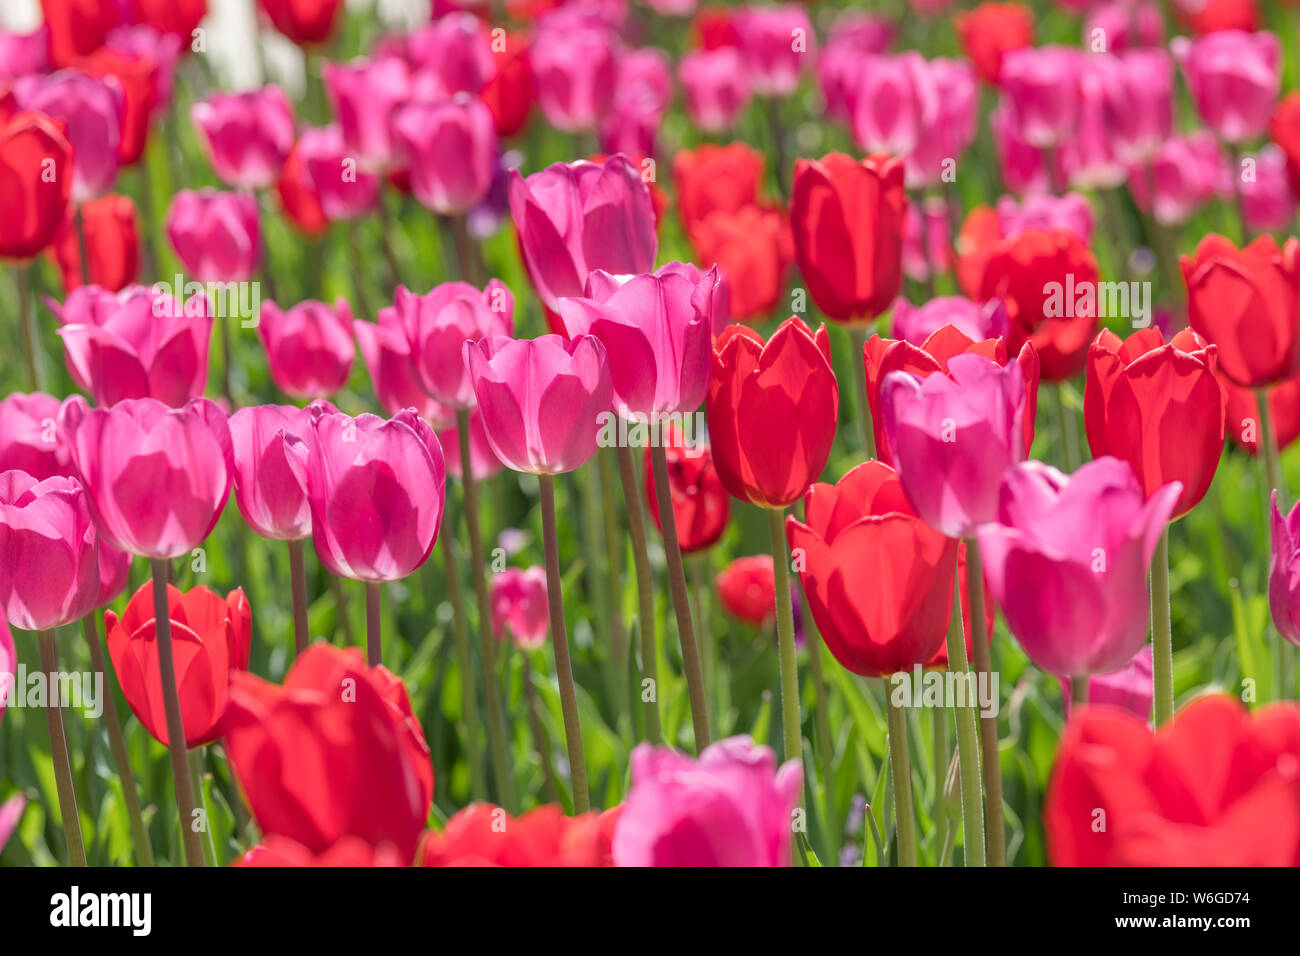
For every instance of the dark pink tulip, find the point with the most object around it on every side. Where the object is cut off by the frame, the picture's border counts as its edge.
(839, 65)
(24, 54)
(449, 148)
(309, 347)
(977, 321)
(377, 491)
(927, 239)
(542, 400)
(658, 335)
(715, 87)
(1126, 24)
(157, 477)
(948, 127)
(710, 288)
(8, 667)
(1185, 173)
(1042, 87)
(246, 135)
(449, 56)
(1234, 78)
(1089, 157)
(1268, 200)
(575, 218)
(520, 606)
(643, 92)
(345, 191)
(483, 459)
(93, 110)
(777, 42)
(216, 234)
(29, 435)
(366, 94)
(1130, 688)
(387, 355)
(114, 572)
(440, 321)
(1023, 165)
(49, 556)
(574, 70)
(161, 49)
(890, 102)
(1284, 572)
(1073, 211)
(137, 343)
(1138, 106)
(270, 450)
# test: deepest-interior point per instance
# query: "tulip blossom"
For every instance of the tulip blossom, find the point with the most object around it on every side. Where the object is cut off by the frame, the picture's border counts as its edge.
(211, 637)
(484, 462)
(509, 94)
(439, 322)
(1139, 105)
(975, 320)
(484, 835)
(1216, 787)
(450, 152)
(541, 399)
(1242, 416)
(1066, 557)
(1183, 174)
(1072, 212)
(377, 493)
(334, 752)
(215, 234)
(715, 178)
(387, 355)
(247, 135)
(8, 666)
(1234, 78)
(308, 347)
(305, 22)
(1129, 688)
(280, 851)
(92, 111)
(135, 74)
(270, 455)
(318, 186)
(1268, 201)
(772, 411)
(992, 30)
(49, 559)
(854, 37)
(172, 17)
(777, 42)
(519, 606)
(77, 28)
(108, 227)
(157, 477)
(366, 95)
(1042, 86)
(32, 147)
(715, 87)
(574, 71)
(1142, 389)
(1284, 572)
(747, 589)
(29, 435)
(752, 251)
(701, 505)
(643, 91)
(23, 54)
(160, 50)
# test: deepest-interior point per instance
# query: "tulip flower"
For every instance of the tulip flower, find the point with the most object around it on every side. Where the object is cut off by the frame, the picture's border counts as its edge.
(484, 835)
(752, 251)
(270, 460)
(109, 230)
(574, 71)
(453, 54)
(977, 321)
(317, 765)
(211, 636)
(450, 151)
(1072, 212)
(643, 92)
(387, 355)
(519, 606)
(247, 136)
(715, 87)
(1042, 86)
(1128, 689)
(701, 506)
(366, 95)
(173, 17)
(992, 30)
(135, 74)
(33, 148)
(776, 42)
(1215, 788)
(318, 187)
(731, 806)
(8, 667)
(1233, 77)
(1268, 201)
(747, 589)
(1283, 576)
(1141, 389)
(305, 22)
(509, 94)
(308, 347)
(714, 178)
(92, 111)
(29, 435)
(855, 35)
(281, 851)
(215, 234)
(22, 54)
(77, 27)
(1243, 413)
(160, 50)
(1139, 106)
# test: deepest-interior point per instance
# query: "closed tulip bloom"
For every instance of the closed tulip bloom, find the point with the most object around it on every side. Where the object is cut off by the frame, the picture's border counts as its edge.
(387, 355)
(309, 347)
(891, 101)
(450, 151)
(32, 148)
(1268, 201)
(715, 88)
(1066, 558)
(439, 322)
(270, 453)
(701, 505)
(1244, 301)
(49, 558)
(485, 835)
(772, 410)
(135, 73)
(1243, 413)
(847, 218)
(299, 199)
(509, 94)
(519, 606)
(247, 136)
(366, 95)
(280, 851)
(752, 250)
(138, 343)
(211, 637)
(215, 234)
(1042, 86)
(305, 22)
(1284, 572)
(712, 178)
(112, 240)
(92, 111)
(175, 17)
(8, 666)
(377, 490)
(317, 181)
(747, 589)
(643, 92)
(1130, 688)
(1216, 787)
(22, 54)
(579, 217)
(157, 477)
(77, 27)
(1072, 212)
(1128, 25)
(574, 70)
(29, 435)
(1284, 130)
(1139, 106)
(992, 30)
(453, 54)
(975, 320)
(161, 50)
(1140, 393)
(777, 42)
(926, 241)
(839, 63)
(1234, 78)
(1186, 172)
(318, 765)
(948, 127)
(731, 806)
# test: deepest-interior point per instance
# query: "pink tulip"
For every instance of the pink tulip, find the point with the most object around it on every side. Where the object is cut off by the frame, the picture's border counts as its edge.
(643, 91)
(270, 452)
(1185, 173)
(49, 558)
(1267, 199)
(1139, 106)
(93, 111)
(1234, 78)
(926, 238)
(730, 807)
(574, 70)
(1284, 573)
(854, 37)
(114, 572)
(892, 101)
(575, 218)
(1023, 165)
(672, 8)
(948, 129)
(520, 606)
(1041, 85)
(1126, 24)
(953, 436)
(366, 95)
(1089, 157)
(137, 343)
(1130, 688)
(542, 400)
(8, 666)
(377, 491)
(157, 477)
(29, 435)
(777, 42)
(387, 355)
(309, 347)
(161, 49)
(449, 56)
(215, 234)
(975, 320)
(715, 87)
(1067, 558)
(1073, 212)
(24, 54)
(710, 289)
(247, 135)
(658, 335)
(450, 150)
(344, 190)
(483, 460)
(439, 322)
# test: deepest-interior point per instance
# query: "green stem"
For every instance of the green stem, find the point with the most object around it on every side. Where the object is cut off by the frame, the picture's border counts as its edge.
(59, 754)
(900, 767)
(790, 723)
(22, 281)
(465, 665)
(1065, 426)
(990, 761)
(939, 752)
(636, 526)
(540, 742)
(614, 567)
(1269, 452)
(972, 813)
(1079, 691)
(374, 627)
(1162, 644)
(824, 748)
(858, 336)
(298, 585)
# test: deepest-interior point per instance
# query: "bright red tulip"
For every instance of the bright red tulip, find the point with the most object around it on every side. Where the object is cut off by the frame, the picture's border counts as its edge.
(715, 178)
(309, 347)
(485, 835)
(747, 589)
(29, 435)
(305, 22)
(1242, 416)
(77, 28)
(177, 17)
(280, 851)
(991, 31)
(300, 197)
(701, 505)
(137, 75)
(112, 245)
(510, 94)
(35, 183)
(752, 249)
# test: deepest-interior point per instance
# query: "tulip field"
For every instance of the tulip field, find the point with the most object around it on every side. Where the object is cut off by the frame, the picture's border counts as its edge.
(649, 433)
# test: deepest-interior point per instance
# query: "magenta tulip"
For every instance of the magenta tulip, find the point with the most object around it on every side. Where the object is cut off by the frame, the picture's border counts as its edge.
(114, 572)
(157, 477)
(1268, 201)
(1185, 173)
(1139, 105)
(715, 87)
(215, 234)
(1066, 558)
(377, 492)
(29, 435)
(93, 110)
(24, 54)
(451, 55)
(542, 400)
(975, 320)
(8, 666)
(776, 42)
(247, 135)
(1130, 688)
(439, 322)
(449, 148)
(643, 92)
(1284, 573)
(520, 607)
(270, 455)
(1234, 78)
(387, 355)
(344, 191)
(366, 95)
(1042, 87)
(142, 41)
(574, 67)
(309, 347)
(1073, 211)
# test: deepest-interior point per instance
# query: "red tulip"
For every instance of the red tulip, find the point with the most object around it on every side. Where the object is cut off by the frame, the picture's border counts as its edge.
(35, 183)
(772, 411)
(1242, 416)
(848, 219)
(863, 529)
(992, 30)
(300, 199)
(1216, 787)
(752, 249)
(747, 589)
(77, 28)
(112, 245)
(715, 178)
(278, 850)
(305, 22)
(137, 76)
(485, 835)
(509, 94)
(940, 658)
(1158, 407)
(1245, 302)
(177, 17)
(211, 637)
(701, 505)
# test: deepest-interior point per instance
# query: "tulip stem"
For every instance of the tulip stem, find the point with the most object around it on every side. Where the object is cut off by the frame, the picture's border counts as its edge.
(560, 637)
(539, 732)
(374, 627)
(1162, 644)
(59, 754)
(1269, 452)
(990, 761)
(790, 722)
(1079, 691)
(858, 336)
(465, 664)
(487, 642)
(79, 223)
(1065, 425)
(636, 527)
(900, 766)
(22, 281)
(298, 584)
(682, 598)
(117, 745)
(176, 748)
(825, 744)
(614, 568)
(967, 746)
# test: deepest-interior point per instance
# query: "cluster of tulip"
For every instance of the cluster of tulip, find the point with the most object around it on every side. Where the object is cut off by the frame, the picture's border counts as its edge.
(592, 315)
